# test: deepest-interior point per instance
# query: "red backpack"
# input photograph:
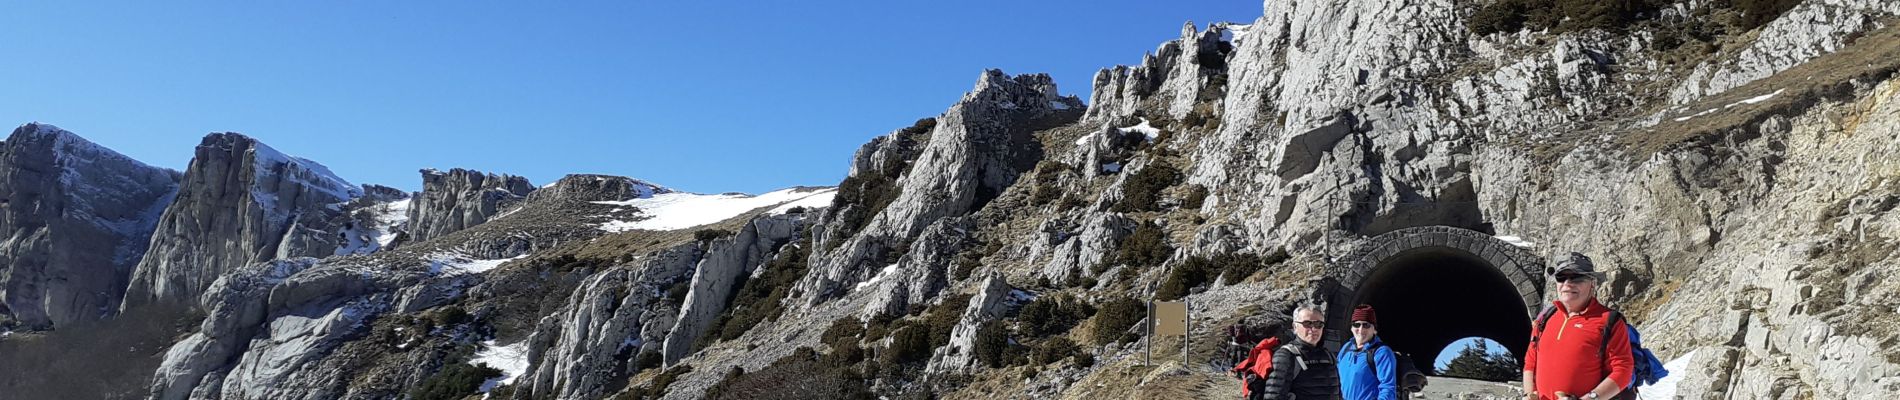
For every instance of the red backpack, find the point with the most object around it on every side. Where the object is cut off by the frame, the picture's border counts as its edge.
(1259, 362)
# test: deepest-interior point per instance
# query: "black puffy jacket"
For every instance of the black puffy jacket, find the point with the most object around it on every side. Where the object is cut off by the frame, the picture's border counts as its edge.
(1302, 371)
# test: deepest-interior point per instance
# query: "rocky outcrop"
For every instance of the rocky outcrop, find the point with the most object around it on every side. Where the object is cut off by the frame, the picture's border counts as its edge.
(458, 199)
(1810, 29)
(975, 150)
(616, 316)
(922, 272)
(77, 217)
(236, 305)
(1075, 251)
(590, 187)
(716, 278)
(241, 202)
(990, 303)
(1171, 78)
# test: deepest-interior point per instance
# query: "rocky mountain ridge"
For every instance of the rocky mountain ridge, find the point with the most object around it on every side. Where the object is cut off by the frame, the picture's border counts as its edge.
(1002, 247)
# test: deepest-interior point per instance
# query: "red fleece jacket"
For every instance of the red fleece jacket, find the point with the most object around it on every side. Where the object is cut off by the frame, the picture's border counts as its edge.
(1565, 358)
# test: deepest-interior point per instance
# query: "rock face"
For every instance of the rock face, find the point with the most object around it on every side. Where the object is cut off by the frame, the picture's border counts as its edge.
(616, 315)
(458, 199)
(989, 304)
(975, 150)
(716, 277)
(237, 307)
(77, 217)
(922, 272)
(241, 202)
(590, 187)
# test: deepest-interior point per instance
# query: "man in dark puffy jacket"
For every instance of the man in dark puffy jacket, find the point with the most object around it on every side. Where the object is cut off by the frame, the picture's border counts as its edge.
(1303, 370)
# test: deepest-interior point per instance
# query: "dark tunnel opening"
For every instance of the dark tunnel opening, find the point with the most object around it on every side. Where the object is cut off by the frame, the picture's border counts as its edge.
(1429, 297)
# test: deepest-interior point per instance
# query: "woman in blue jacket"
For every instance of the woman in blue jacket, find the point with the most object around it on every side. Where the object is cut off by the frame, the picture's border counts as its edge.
(1368, 370)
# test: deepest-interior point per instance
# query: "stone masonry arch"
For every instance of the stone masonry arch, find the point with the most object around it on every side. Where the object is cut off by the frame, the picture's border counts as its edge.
(1433, 285)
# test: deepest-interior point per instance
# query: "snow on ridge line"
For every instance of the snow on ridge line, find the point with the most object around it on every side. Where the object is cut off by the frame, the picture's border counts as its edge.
(680, 210)
(313, 174)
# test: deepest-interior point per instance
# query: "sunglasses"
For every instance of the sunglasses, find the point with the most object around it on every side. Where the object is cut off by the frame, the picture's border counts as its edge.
(1313, 324)
(1362, 324)
(1574, 277)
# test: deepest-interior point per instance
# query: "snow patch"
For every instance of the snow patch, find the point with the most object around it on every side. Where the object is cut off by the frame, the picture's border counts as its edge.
(820, 200)
(511, 359)
(1144, 128)
(1665, 388)
(1751, 100)
(389, 217)
(672, 211)
(455, 263)
(1111, 168)
(385, 218)
(1058, 105)
(887, 271)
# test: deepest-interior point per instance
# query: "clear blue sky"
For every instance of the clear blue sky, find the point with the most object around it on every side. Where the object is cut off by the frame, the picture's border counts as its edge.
(700, 96)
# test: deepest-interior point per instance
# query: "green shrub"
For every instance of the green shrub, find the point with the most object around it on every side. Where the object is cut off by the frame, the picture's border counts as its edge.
(1182, 279)
(843, 330)
(799, 376)
(1756, 13)
(759, 298)
(1046, 177)
(942, 318)
(1146, 246)
(449, 315)
(1196, 271)
(453, 381)
(648, 359)
(1561, 15)
(1196, 196)
(656, 388)
(909, 344)
(992, 341)
(1142, 192)
(1115, 316)
(707, 235)
(1055, 349)
(1051, 315)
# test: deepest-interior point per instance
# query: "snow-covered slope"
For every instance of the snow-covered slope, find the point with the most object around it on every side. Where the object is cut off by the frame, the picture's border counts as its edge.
(677, 210)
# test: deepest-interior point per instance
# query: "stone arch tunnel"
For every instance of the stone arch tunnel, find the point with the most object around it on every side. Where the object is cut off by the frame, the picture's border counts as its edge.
(1433, 285)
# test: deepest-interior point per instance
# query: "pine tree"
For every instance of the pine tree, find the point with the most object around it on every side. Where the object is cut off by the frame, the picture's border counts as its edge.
(1477, 362)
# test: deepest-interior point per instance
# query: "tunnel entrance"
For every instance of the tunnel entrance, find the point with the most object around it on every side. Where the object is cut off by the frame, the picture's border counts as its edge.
(1435, 285)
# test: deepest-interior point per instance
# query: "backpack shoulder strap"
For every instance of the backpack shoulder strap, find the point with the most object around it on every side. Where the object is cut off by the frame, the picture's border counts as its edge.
(1537, 325)
(1609, 331)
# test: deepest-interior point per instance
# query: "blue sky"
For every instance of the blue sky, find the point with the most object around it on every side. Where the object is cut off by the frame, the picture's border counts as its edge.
(700, 96)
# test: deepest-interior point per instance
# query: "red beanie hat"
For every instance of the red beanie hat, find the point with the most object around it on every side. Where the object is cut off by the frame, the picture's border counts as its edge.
(1364, 313)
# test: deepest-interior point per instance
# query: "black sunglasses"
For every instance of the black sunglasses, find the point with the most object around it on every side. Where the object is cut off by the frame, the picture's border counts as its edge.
(1362, 324)
(1313, 324)
(1572, 277)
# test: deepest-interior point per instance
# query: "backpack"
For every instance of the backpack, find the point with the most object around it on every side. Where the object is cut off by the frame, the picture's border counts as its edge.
(1410, 379)
(1648, 369)
(1259, 362)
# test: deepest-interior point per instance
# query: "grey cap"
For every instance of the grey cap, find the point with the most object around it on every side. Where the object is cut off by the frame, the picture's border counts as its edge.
(1577, 263)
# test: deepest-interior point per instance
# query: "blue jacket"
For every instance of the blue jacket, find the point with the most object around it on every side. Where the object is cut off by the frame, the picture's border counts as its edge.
(1357, 381)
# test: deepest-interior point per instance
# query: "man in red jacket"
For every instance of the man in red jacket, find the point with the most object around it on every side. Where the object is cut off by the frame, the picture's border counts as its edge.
(1568, 352)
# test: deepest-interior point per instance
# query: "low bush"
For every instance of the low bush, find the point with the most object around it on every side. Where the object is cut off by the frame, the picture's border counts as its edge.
(453, 381)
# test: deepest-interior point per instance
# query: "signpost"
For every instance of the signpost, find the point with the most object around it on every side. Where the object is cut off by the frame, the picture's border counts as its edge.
(1169, 318)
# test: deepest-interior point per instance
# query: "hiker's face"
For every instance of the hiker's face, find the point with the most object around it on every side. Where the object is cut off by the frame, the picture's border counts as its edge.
(1364, 331)
(1576, 290)
(1309, 326)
